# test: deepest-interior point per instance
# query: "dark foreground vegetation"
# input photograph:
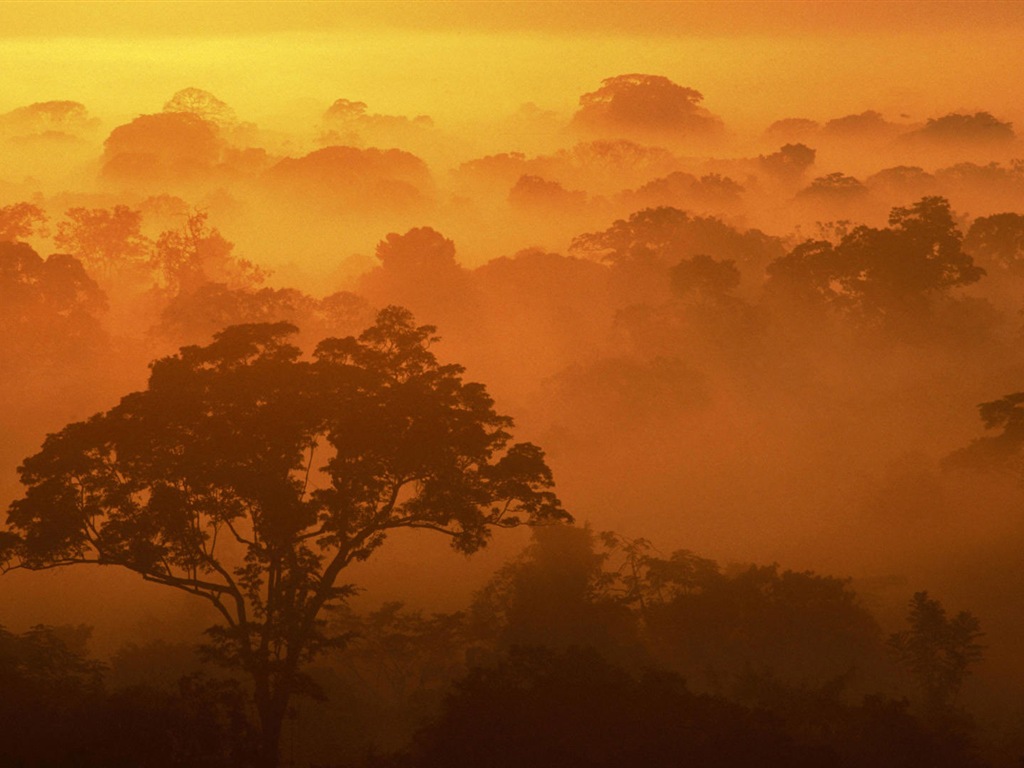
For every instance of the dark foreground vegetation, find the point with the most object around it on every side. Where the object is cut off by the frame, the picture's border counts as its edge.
(585, 650)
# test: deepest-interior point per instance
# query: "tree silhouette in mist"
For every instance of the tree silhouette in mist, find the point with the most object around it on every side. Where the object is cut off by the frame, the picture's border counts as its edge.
(21, 220)
(250, 478)
(202, 104)
(937, 651)
(883, 276)
(834, 187)
(49, 310)
(981, 127)
(998, 241)
(999, 452)
(648, 105)
(196, 254)
(48, 119)
(108, 241)
(789, 163)
(665, 235)
(162, 151)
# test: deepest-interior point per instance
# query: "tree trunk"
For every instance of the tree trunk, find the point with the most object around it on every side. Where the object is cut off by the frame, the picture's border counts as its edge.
(272, 694)
(271, 722)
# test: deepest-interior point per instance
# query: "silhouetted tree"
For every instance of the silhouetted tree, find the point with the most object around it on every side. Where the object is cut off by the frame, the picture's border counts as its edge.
(998, 241)
(789, 163)
(196, 254)
(21, 220)
(66, 118)
(799, 627)
(251, 479)
(659, 254)
(666, 235)
(681, 189)
(983, 182)
(483, 174)
(553, 595)
(834, 187)
(643, 247)
(349, 123)
(346, 178)
(604, 165)
(419, 270)
(202, 104)
(401, 651)
(793, 130)
(109, 242)
(937, 650)
(535, 193)
(981, 127)
(154, 151)
(903, 182)
(539, 291)
(703, 278)
(883, 275)
(418, 251)
(702, 314)
(867, 126)
(49, 308)
(195, 316)
(999, 452)
(645, 105)
(636, 576)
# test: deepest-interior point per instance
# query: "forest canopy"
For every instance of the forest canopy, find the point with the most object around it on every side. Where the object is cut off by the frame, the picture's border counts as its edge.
(274, 280)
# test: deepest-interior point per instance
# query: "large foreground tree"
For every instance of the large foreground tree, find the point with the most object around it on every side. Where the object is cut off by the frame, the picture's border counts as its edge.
(250, 478)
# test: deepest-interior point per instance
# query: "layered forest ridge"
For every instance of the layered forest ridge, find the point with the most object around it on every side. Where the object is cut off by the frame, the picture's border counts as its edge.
(619, 435)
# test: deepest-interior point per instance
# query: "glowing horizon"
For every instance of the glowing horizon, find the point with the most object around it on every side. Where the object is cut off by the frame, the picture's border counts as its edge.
(465, 70)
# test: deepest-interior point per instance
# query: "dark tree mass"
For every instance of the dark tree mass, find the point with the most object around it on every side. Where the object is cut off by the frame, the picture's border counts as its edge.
(431, 385)
(210, 482)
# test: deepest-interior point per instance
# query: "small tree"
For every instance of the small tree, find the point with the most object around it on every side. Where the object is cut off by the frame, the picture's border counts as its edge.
(196, 254)
(937, 650)
(109, 242)
(202, 104)
(251, 478)
(21, 220)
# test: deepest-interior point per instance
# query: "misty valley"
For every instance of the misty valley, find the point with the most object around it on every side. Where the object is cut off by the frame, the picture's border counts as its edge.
(632, 439)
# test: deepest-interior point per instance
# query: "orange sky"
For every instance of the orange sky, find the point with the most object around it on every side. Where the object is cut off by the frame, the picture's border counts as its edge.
(459, 61)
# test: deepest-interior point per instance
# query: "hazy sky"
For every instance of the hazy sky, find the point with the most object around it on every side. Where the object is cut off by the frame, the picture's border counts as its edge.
(754, 62)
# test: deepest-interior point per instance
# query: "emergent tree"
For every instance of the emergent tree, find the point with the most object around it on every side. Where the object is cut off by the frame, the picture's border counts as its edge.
(883, 275)
(250, 478)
